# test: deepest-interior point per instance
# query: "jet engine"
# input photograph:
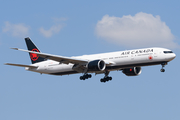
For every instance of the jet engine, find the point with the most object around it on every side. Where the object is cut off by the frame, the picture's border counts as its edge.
(132, 71)
(96, 65)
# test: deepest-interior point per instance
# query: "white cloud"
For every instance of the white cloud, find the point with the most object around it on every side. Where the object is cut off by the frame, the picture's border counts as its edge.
(53, 29)
(141, 30)
(48, 33)
(17, 30)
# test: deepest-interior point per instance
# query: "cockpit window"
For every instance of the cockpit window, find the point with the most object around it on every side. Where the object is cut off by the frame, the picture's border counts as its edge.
(168, 52)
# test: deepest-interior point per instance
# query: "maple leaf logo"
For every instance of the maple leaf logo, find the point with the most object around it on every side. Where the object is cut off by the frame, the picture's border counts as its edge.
(34, 56)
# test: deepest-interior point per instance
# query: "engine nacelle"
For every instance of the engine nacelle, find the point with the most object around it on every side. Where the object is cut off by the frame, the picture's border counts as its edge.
(132, 71)
(96, 65)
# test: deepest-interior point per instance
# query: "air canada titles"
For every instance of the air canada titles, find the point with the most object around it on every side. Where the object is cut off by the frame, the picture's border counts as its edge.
(137, 51)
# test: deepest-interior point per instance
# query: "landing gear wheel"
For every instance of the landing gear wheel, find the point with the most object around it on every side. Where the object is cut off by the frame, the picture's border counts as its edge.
(85, 76)
(82, 78)
(105, 79)
(89, 75)
(162, 70)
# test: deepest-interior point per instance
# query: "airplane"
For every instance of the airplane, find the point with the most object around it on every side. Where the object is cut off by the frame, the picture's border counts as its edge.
(128, 61)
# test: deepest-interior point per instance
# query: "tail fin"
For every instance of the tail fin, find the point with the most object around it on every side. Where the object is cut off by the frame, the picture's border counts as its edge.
(31, 47)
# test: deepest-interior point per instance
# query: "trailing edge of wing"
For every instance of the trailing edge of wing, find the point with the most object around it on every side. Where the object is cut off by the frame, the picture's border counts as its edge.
(57, 58)
(20, 65)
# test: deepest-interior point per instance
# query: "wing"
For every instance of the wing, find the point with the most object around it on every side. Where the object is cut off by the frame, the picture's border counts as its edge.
(61, 59)
(20, 65)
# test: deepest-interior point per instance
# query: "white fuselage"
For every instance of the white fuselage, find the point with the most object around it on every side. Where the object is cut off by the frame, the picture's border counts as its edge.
(114, 60)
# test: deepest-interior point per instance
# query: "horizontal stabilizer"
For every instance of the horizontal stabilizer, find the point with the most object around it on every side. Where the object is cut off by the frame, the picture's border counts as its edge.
(20, 65)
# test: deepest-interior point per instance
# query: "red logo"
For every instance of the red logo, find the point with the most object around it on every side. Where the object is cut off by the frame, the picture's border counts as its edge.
(150, 57)
(34, 56)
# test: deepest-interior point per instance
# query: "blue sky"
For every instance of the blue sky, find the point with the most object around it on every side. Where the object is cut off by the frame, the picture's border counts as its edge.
(71, 28)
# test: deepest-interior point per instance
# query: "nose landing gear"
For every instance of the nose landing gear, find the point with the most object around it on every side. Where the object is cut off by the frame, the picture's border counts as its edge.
(163, 65)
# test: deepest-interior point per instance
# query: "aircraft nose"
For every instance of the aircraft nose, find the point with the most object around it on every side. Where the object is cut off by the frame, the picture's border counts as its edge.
(171, 56)
(174, 55)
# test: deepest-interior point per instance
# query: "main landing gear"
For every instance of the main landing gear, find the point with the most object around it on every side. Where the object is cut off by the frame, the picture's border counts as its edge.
(85, 76)
(106, 77)
(163, 65)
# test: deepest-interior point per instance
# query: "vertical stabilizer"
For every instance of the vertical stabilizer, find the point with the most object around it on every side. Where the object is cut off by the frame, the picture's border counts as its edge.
(32, 47)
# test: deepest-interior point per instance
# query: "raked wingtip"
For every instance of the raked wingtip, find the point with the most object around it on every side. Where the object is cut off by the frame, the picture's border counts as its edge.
(15, 48)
